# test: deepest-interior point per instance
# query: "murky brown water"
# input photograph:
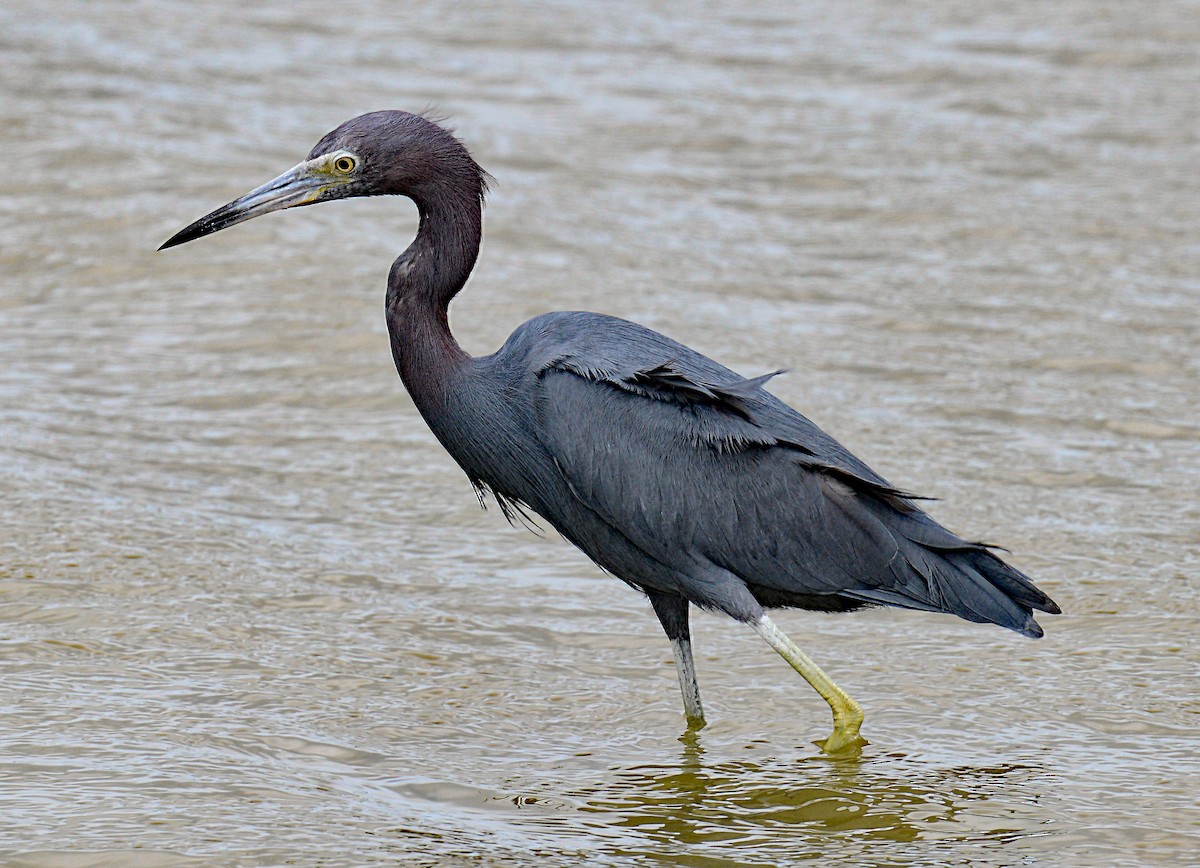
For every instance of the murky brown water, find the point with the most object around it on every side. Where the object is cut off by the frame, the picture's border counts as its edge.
(251, 614)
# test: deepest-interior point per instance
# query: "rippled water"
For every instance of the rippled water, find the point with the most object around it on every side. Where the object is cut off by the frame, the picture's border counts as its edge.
(251, 614)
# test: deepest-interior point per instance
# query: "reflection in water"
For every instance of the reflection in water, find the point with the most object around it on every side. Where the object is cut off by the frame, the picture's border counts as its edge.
(251, 614)
(772, 809)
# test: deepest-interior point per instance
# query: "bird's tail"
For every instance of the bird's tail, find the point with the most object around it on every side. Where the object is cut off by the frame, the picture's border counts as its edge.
(998, 593)
(939, 572)
(972, 583)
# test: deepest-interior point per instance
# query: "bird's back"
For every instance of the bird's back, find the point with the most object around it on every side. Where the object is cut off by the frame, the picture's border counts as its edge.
(678, 475)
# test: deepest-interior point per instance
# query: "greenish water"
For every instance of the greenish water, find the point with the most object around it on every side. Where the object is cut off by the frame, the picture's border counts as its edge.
(251, 614)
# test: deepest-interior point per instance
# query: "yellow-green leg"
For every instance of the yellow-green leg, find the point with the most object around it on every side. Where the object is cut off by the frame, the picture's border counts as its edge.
(847, 715)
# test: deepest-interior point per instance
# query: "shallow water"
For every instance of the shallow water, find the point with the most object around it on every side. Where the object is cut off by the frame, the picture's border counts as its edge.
(251, 614)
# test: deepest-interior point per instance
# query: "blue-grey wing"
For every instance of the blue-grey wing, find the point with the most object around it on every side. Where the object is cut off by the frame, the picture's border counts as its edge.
(686, 459)
(682, 468)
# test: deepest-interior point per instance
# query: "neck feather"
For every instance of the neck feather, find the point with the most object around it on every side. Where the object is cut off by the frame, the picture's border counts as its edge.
(423, 281)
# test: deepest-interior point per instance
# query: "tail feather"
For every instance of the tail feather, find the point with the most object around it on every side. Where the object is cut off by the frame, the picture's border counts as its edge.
(1013, 582)
(964, 578)
(970, 582)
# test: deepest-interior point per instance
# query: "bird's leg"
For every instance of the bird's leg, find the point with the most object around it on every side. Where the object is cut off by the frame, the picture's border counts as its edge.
(685, 668)
(672, 613)
(847, 715)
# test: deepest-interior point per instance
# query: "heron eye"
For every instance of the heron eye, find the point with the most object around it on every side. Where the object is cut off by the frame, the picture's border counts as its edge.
(344, 164)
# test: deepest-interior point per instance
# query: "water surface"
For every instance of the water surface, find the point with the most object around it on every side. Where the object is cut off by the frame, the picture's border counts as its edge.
(252, 614)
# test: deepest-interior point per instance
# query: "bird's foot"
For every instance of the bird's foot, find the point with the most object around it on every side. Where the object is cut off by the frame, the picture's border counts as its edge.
(845, 741)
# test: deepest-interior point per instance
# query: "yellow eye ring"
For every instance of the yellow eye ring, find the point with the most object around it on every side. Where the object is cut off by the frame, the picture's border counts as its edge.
(344, 164)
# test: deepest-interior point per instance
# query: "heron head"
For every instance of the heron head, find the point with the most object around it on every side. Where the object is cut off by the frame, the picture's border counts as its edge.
(380, 153)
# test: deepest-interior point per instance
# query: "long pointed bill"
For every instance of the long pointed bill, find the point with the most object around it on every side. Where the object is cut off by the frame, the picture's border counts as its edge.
(297, 186)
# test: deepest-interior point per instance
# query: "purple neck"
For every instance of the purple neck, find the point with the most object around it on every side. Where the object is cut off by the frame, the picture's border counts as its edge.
(422, 282)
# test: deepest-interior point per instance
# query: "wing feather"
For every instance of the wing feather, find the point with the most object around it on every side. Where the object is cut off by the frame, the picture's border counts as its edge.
(691, 462)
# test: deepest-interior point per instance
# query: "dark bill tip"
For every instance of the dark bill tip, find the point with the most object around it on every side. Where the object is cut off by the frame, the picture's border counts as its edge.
(225, 216)
(294, 187)
(188, 233)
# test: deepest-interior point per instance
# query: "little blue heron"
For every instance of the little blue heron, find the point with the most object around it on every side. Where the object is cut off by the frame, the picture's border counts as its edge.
(678, 476)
